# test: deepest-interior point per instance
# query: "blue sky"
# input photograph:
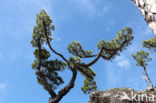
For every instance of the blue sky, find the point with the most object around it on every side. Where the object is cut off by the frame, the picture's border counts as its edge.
(86, 21)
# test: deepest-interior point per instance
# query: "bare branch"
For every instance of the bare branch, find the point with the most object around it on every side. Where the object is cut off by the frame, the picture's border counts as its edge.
(86, 56)
(45, 32)
(47, 86)
(94, 61)
(67, 88)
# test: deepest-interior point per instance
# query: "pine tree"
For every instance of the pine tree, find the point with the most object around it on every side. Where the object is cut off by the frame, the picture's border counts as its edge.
(47, 70)
(150, 44)
(142, 58)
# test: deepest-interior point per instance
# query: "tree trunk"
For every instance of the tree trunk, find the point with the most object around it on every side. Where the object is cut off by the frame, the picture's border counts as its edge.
(148, 77)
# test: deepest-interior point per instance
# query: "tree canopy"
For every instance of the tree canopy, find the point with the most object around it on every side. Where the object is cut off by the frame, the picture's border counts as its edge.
(150, 44)
(47, 70)
(142, 57)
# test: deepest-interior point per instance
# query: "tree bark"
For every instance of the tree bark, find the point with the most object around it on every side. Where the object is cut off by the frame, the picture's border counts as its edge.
(66, 89)
(148, 77)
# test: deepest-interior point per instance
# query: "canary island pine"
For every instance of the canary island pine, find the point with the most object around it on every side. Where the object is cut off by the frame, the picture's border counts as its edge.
(47, 70)
(142, 58)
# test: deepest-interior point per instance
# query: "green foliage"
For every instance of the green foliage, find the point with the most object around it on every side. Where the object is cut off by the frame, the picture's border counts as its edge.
(74, 60)
(47, 70)
(87, 71)
(150, 44)
(44, 53)
(123, 36)
(50, 71)
(89, 86)
(76, 49)
(41, 27)
(111, 48)
(142, 58)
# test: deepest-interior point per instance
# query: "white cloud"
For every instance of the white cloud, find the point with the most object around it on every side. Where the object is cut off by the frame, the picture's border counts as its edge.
(3, 92)
(1, 55)
(123, 64)
(85, 4)
(16, 55)
(148, 31)
(27, 10)
(45, 4)
(140, 28)
(2, 86)
(110, 24)
(105, 10)
(112, 77)
(58, 39)
(90, 7)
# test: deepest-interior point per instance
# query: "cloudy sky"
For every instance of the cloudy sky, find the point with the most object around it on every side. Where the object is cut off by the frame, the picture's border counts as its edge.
(86, 21)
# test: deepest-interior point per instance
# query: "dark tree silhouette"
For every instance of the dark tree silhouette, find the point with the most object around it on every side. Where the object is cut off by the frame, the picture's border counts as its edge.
(47, 69)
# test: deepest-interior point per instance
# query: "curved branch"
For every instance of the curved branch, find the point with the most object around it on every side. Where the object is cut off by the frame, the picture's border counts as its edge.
(94, 61)
(84, 56)
(108, 58)
(67, 88)
(116, 49)
(90, 56)
(47, 86)
(100, 54)
(45, 32)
